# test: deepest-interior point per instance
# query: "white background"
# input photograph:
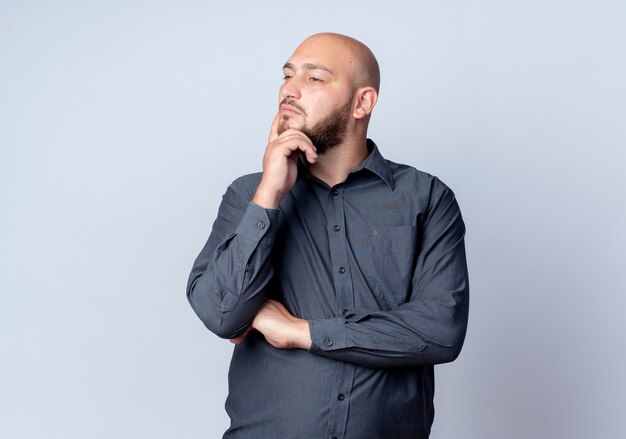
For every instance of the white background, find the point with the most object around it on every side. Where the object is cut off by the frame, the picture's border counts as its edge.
(122, 123)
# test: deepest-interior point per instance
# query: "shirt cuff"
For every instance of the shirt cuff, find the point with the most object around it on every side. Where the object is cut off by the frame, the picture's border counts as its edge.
(327, 334)
(258, 223)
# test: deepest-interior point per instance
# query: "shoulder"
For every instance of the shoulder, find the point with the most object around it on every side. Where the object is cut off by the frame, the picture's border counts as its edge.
(423, 184)
(245, 186)
(435, 200)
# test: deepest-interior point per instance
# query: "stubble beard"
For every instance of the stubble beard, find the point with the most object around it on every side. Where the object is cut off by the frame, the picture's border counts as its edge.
(328, 132)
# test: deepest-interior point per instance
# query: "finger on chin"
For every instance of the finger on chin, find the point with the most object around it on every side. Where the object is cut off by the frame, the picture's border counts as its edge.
(274, 129)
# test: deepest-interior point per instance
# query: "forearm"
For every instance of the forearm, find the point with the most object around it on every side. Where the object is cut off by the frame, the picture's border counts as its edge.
(229, 278)
(414, 334)
(226, 300)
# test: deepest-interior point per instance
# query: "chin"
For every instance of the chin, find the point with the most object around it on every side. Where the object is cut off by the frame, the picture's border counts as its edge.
(288, 124)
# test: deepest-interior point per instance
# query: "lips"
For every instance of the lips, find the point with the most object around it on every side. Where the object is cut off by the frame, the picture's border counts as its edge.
(288, 109)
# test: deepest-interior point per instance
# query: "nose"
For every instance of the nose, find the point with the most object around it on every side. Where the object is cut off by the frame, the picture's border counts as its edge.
(290, 89)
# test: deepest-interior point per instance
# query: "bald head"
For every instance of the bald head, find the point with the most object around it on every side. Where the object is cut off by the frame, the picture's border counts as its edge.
(361, 62)
(330, 86)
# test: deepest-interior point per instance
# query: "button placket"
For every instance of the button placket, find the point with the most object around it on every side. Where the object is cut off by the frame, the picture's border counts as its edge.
(338, 248)
(340, 403)
(344, 300)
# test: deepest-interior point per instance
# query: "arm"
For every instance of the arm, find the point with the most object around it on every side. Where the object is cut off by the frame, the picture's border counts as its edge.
(430, 327)
(228, 280)
(229, 277)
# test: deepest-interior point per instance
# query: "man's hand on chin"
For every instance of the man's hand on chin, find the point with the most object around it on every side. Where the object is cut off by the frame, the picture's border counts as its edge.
(279, 327)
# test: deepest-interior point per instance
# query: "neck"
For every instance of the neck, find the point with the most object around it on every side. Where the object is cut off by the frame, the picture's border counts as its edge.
(334, 166)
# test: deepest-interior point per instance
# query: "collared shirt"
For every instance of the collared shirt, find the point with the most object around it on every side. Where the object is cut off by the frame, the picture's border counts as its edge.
(377, 266)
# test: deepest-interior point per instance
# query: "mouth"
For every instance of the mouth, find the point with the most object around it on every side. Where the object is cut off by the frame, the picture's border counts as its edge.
(288, 110)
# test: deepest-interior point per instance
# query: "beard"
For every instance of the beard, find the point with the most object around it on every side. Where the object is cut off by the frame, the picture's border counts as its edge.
(328, 132)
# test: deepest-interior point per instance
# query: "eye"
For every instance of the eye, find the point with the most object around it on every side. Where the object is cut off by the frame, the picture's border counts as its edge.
(315, 79)
(286, 77)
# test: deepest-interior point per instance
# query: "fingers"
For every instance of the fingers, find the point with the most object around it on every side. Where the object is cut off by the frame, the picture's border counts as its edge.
(280, 164)
(292, 134)
(274, 129)
(292, 140)
(262, 314)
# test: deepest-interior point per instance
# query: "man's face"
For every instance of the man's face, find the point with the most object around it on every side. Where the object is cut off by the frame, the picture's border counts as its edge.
(316, 97)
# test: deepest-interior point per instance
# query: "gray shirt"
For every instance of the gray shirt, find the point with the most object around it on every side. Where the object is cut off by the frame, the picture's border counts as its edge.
(376, 265)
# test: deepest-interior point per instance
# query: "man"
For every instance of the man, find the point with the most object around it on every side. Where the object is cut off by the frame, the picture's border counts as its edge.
(340, 276)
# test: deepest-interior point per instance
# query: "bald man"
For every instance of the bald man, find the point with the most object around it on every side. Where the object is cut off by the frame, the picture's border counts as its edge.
(340, 276)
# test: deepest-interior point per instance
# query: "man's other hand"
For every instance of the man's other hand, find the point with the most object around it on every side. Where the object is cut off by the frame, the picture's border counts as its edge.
(280, 164)
(279, 327)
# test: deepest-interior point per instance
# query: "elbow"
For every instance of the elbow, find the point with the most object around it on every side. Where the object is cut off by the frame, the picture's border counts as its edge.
(450, 354)
(455, 338)
(446, 349)
(225, 328)
(223, 323)
(451, 351)
(434, 354)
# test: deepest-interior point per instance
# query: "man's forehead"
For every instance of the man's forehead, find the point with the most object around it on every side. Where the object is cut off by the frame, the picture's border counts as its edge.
(322, 57)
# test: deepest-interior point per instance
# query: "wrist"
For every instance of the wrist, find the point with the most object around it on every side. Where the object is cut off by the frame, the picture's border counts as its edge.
(267, 198)
(302, 334)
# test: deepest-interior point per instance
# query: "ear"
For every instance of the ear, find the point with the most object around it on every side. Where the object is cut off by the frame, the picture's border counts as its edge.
(366, 98)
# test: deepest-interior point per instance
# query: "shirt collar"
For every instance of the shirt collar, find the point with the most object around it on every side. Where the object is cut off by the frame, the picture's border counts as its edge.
(374, 162)
(377, 164)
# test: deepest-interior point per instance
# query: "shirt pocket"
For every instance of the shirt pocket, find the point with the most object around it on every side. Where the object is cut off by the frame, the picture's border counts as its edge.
(391, 261)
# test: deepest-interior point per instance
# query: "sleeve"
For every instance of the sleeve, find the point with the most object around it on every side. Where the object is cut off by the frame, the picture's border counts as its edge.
(428, 329)
(229, 277)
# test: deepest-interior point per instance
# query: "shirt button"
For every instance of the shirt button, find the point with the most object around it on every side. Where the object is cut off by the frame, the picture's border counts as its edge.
(337, 228)
(335, 192)
(328, 342)
(260, 225)
(340, 397)
(342, 270)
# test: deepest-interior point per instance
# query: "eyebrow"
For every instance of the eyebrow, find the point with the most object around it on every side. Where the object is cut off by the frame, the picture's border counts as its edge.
(309, 66)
